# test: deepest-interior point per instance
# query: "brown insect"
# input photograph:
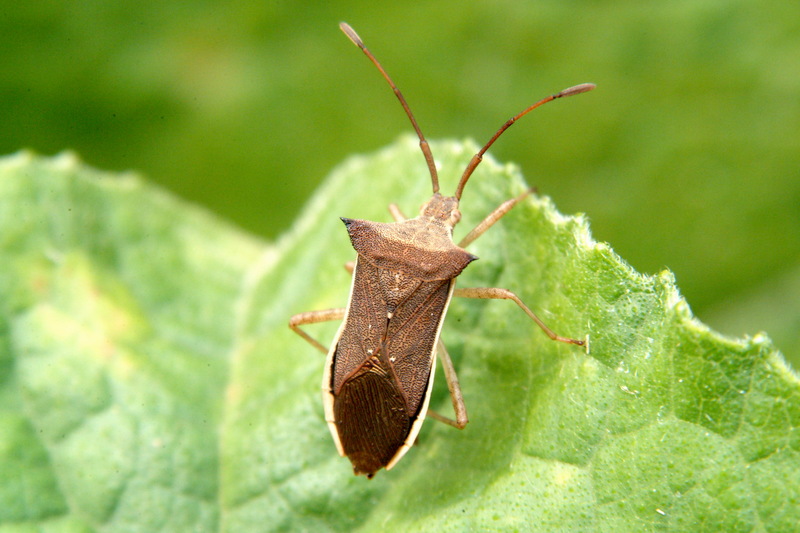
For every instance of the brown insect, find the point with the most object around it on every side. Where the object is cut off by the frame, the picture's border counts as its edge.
(379, 371)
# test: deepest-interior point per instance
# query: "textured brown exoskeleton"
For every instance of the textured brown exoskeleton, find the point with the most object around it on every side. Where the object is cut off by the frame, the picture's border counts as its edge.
(379, 372)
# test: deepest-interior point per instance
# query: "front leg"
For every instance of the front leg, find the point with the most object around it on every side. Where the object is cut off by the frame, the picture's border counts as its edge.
(493, 217)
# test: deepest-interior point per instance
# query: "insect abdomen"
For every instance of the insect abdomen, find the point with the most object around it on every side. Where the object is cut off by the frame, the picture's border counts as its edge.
(371, 419)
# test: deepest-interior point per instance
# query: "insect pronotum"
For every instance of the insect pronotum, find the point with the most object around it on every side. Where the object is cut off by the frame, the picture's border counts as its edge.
(379, 370)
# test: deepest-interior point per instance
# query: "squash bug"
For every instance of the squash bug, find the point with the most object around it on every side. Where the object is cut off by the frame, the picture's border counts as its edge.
(379, 370)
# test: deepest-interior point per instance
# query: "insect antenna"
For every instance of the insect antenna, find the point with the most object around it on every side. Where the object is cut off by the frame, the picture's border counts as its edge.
(423, 144)
(477, 158)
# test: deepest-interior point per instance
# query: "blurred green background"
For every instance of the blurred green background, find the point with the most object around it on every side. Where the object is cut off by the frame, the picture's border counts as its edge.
(687, 156)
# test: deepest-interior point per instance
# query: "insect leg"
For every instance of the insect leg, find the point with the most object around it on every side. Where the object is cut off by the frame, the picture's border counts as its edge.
(459, 406)
(504, 294)
(397, 215)
(493, 217)
(314, 317)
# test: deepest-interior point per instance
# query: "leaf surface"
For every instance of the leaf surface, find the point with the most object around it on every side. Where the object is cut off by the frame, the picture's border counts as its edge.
(149, 382)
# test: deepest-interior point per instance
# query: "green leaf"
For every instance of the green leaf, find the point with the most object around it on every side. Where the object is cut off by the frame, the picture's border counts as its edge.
(149, 381)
